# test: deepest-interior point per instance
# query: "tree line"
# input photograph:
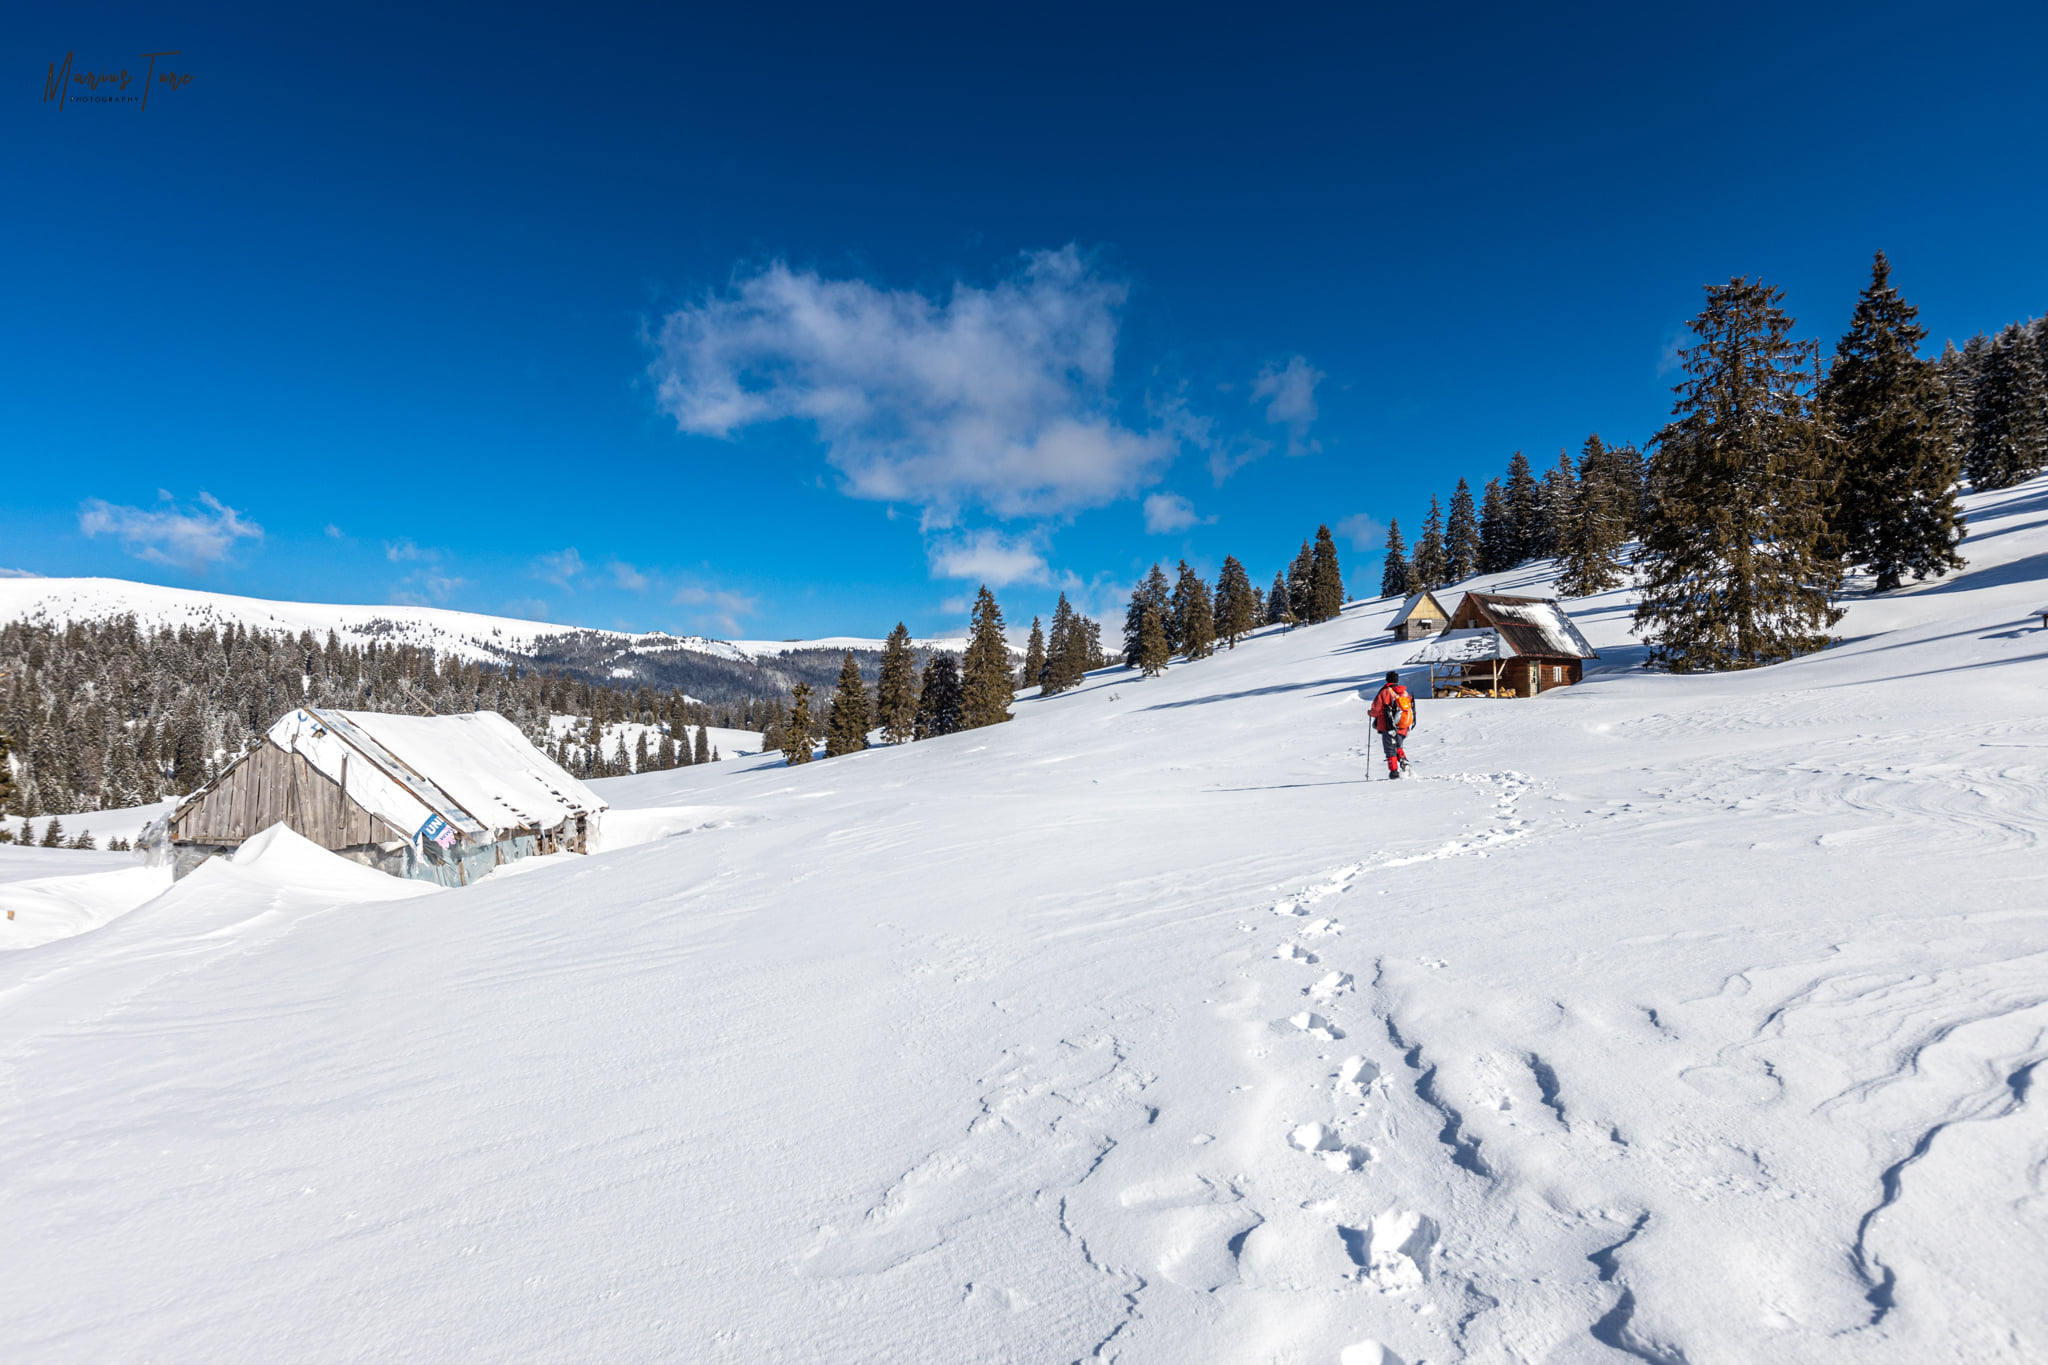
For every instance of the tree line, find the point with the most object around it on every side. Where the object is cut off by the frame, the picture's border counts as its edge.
(1780, 473)
(1186, 617)
(98, 715)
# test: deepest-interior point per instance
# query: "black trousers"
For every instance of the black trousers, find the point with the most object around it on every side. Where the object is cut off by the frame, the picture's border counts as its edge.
(1390, 741)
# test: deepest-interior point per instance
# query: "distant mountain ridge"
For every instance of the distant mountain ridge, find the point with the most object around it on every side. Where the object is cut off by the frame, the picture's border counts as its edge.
(708, 669)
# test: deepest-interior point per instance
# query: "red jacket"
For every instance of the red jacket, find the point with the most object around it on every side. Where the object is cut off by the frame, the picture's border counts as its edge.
(1387, 717)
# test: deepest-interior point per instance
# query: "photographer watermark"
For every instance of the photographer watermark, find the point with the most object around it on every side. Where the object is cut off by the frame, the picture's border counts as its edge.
(58, 85)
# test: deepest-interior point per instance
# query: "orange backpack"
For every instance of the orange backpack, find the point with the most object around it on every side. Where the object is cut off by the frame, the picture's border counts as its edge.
(1399, 709)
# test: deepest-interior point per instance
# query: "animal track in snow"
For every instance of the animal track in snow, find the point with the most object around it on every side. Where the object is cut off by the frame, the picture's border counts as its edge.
(1317, 928)
(1291, 952)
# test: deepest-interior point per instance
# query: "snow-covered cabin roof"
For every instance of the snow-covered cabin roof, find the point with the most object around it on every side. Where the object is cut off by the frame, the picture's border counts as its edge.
(1527, 625)
(1467, 645)
(1421, 604)
(475, 771)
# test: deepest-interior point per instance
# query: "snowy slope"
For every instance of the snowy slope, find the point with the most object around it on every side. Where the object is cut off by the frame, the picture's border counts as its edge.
(1670, 1019)
(466, 635)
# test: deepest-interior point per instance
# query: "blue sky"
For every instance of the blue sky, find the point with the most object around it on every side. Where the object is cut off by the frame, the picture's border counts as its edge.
(770, 323)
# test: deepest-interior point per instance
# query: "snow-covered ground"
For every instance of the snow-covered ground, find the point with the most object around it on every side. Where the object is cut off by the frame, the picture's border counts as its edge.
(1675, 1019)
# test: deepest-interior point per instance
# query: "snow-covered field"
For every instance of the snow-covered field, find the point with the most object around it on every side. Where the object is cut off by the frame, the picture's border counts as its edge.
(1675, 1019)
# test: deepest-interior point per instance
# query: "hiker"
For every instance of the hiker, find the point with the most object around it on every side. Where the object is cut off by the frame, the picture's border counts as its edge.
(1393, 715)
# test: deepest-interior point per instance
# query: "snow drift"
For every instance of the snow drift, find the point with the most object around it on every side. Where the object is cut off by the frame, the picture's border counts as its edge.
(1660, 1018)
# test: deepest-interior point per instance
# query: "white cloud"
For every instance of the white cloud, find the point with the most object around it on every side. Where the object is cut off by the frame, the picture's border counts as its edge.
(561, 568)
(992, 397)
(426, 588)
(170, 534)
(1292, 392)
(1671, 359)
(1363, 531)
(988, 556)
(1166, 513)
(334, 532)
(399, 551)
(717, 606)
(18, 573)
(627, 577)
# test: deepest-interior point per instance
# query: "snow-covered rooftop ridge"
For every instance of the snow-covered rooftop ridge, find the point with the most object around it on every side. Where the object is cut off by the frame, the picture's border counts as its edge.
(1545, 617)
(475, 771)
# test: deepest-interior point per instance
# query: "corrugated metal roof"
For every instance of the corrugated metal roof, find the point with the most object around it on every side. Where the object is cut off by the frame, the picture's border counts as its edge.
(1466, 645)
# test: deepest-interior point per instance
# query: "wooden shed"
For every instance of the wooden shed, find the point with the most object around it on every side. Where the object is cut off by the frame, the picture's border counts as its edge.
(1501, 646)
(1420, 617)
(442, 799)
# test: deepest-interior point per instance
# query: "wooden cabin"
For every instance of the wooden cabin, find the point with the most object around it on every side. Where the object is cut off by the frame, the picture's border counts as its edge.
(442, 799)
(1420, 617)
(1501, 646)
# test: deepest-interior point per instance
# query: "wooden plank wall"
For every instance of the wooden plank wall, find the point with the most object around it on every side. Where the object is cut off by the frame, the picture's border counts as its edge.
(269, 786)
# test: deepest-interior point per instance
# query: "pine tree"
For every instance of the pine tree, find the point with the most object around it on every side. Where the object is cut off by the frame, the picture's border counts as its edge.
(622, 762)
(1461, 535)
(53, 833)
(1560, 491)
(1430, 569)
(1191, 619)
(846, 726)
(796, 729)
(6, 774)
(1325, 579)
(1153, 653)
(1301, 584)
(703, 746)
(1033, 674)
(1525, 508)
(665, 752)
(1151, 594)
(1395, 575)
(938, 699)
(1069, 654)
(1497, 547)
(1596, 525)
(1895, 500)
(1237, 606)
(1632, 480)
(2008, 413)
(1277, 613)
(985, 690)
(896, 689)
(1734, 567)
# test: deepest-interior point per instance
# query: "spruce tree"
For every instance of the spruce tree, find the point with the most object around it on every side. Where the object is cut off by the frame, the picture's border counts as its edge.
(985, 690)
(1497, 541)
(1070, 653)
(1034, 658)
(639, 752)
(796, 728)
(1191, 616)
(1596, 525)
(846, 725)
(6, 775)
(53, 833)
(1237, 608)
(1525, 508)
(896, 688)
(1560, 491)
(1734, 566)
(1276, 601)
(1325, 579)
(938, 698)
(1395, 575)
(1301, 584)
(1895, 500)
(1152, 593)
(1153, 653)
(1430, 568)
(665, 752)
(1461, 535)
(2008, 413)
(703, 746)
